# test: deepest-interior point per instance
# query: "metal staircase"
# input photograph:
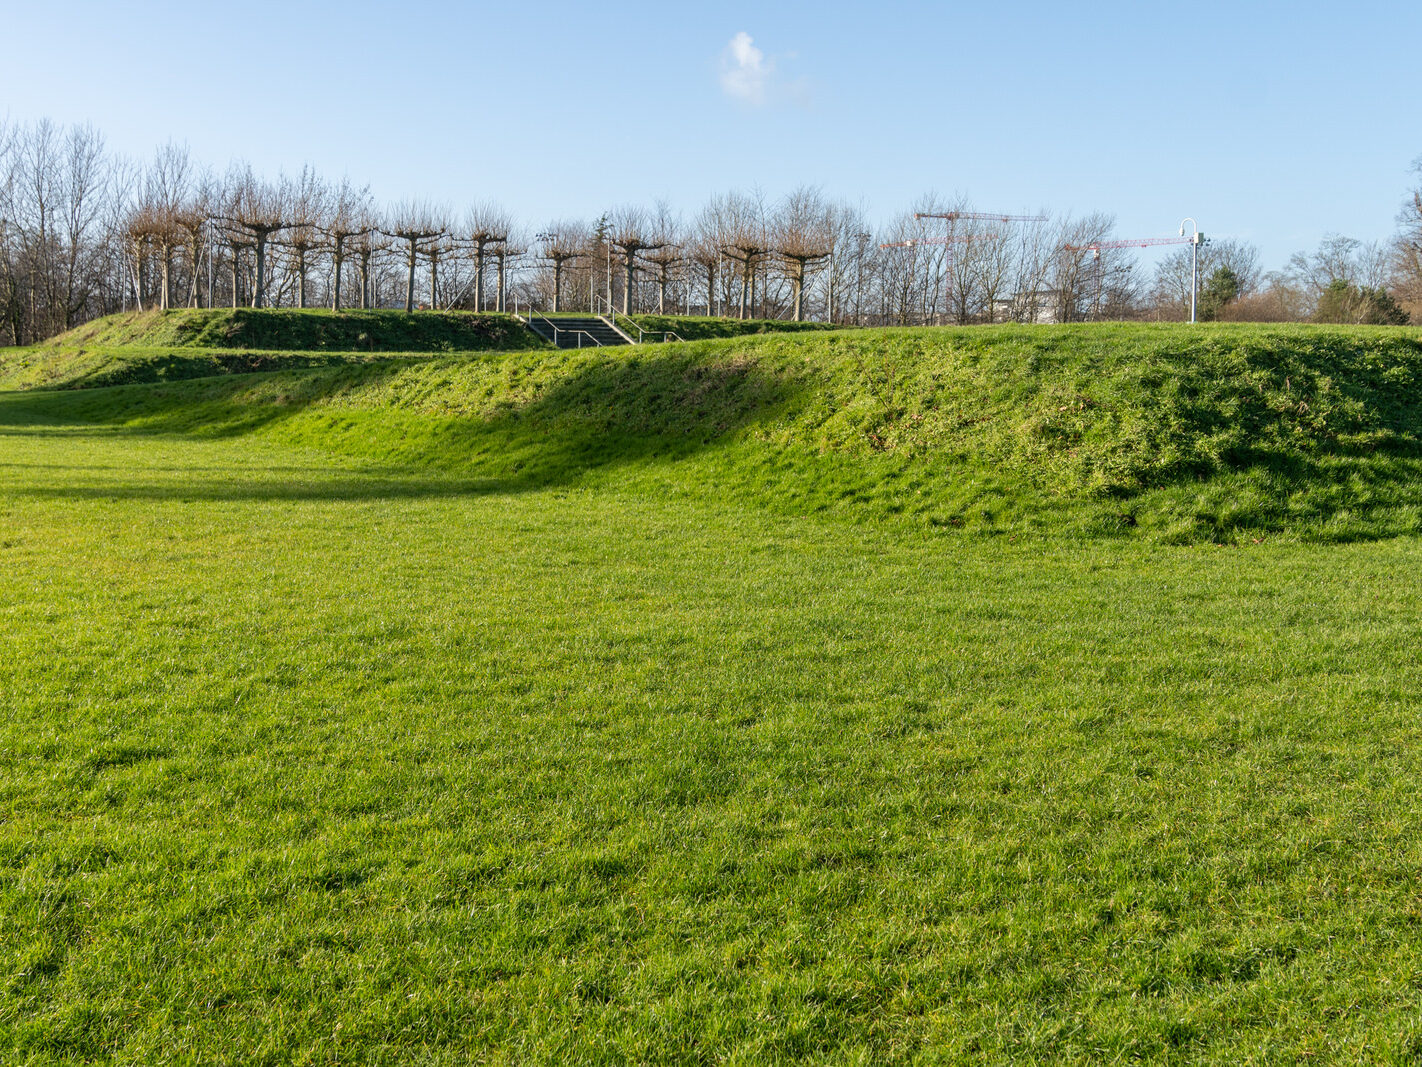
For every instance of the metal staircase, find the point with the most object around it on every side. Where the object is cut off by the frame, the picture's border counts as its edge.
(593, 331)
(577, 331)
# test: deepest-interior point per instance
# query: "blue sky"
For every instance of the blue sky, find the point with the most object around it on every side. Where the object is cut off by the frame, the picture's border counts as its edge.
(1271, 122)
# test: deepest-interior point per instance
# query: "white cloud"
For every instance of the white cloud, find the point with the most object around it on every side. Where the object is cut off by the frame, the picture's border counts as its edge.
(745, 72)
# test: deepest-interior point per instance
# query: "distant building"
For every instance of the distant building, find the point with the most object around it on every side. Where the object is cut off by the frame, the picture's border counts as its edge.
(1034, 305)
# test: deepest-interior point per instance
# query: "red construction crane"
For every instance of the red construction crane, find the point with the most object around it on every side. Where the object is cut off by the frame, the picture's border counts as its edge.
(954, 216)
(1095, 247)
(956, 239)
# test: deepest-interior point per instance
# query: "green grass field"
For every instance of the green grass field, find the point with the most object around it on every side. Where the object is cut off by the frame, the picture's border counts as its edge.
(559, 708)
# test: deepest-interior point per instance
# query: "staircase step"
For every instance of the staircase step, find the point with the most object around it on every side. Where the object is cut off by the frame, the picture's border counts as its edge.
(574, 331)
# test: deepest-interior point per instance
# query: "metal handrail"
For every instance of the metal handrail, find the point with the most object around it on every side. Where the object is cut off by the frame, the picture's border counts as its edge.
(613, 313)
(579, 334)
(611, 319)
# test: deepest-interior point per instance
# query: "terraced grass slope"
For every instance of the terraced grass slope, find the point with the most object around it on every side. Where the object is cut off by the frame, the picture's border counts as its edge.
(1180, 433)
(702, 327)
(166, 345)
(311, 329)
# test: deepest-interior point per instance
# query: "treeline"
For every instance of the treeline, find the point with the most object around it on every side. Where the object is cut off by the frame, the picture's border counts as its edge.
(84, 232)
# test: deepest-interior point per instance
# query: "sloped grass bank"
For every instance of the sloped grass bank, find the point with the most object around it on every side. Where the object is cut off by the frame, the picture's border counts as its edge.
(100, 366)
(311, 329)
(704, 327)
(1177, 433)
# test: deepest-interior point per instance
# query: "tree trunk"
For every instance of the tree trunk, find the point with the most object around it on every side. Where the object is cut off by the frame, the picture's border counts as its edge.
(627, 288)
(434, 280)
(164, 296)
(410, 280)
(500, 297)
(797, 288)
(661, 296)
(557, 283)
(259, 293)
(479, 276)
(301, 277)
(235, 275)
(194, 258)
(336, 292)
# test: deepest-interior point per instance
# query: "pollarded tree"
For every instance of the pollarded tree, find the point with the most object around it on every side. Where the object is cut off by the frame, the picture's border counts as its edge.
(444, 249)
(633, 235)
(503, 253)
(667, 228)
(803, 236)
(747, 242)
(309, 210)
(257, 209)
(348, 218)
(486, 225)
(710, 237)
(562, 242)
(191, 217)
(143, 225)
(419, 225)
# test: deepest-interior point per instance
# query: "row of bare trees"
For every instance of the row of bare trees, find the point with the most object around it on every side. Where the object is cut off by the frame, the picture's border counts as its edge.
(84, 233)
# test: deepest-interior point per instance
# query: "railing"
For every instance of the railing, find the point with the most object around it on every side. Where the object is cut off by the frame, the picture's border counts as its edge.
(579, 334)
(613, 315)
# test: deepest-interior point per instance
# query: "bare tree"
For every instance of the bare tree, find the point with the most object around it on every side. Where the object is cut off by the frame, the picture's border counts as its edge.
(1338, 259)
(419, 224)
(486, 225)
(366, 244)
(1174, 275)
(562, 243)
(748, 241)
(711, 235)
(803, 236)
(257, 209)
(1407, 250)
(310, 208)
(633, 235)
(191, 218)
(346, 218)
(666, 230)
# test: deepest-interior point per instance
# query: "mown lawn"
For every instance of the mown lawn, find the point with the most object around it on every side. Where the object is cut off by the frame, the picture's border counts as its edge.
(308, 761)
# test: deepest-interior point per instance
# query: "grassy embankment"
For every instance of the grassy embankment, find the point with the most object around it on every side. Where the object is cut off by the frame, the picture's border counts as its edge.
(1222, 433)
(174, 345)
(566, 707)
(703, 328)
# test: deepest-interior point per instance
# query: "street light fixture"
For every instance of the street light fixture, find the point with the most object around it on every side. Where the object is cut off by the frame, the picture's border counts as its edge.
(1197, 238)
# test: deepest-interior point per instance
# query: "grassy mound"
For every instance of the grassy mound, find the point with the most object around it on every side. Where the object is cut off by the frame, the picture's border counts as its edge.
(1181, 433)
(702, 327)
(313, 329)
(99, 366)
(155, 346)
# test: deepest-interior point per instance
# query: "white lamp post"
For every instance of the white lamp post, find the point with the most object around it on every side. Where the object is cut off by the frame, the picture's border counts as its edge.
(1196, 239)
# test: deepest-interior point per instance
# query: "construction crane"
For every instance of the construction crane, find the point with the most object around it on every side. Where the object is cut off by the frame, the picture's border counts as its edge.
(1195, 239)
(1095, 247)
(956, 239)
(954, 216)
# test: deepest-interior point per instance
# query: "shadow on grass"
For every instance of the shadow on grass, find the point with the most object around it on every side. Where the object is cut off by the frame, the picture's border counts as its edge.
(607, 411)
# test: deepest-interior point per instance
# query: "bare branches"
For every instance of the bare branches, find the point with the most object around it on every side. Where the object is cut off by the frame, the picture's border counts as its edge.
(419, 224)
